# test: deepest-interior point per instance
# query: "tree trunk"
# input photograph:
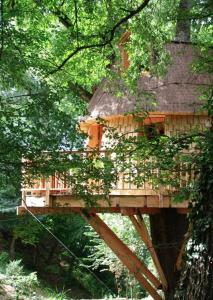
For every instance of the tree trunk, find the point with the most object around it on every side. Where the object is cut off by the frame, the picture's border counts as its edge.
(197, 277)
(183, 22)
(12, 248)
(167, 230)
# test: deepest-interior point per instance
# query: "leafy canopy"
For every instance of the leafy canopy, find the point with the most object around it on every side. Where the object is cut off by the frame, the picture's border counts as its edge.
(52, 55)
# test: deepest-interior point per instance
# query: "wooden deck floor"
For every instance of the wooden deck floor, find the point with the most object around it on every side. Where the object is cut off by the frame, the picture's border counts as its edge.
(116, 204)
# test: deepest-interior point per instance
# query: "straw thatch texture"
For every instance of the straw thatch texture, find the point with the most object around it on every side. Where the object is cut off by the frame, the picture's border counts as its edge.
(178, 92)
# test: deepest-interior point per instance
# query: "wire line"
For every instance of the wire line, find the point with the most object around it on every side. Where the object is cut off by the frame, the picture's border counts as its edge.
(65, 247)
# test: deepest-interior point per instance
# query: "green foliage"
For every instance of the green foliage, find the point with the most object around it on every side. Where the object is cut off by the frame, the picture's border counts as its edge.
(90, 283)
(9, 198)
(197, 273)
(14, 268)
(42, 86)
(56, 295)
(4, 260)
(52, 55)
(103, 259)
(29, 231)
(24, 284)
(53, 258)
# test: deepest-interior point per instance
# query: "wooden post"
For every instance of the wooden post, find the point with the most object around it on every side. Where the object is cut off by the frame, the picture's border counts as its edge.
(127, 257)
(23, 201)
(47, 192)
(141, 228)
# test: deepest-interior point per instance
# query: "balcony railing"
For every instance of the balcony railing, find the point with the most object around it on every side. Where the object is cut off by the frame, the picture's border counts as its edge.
(38, 194)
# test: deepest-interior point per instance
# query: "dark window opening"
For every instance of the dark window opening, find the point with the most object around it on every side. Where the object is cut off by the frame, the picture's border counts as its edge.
(151, 130)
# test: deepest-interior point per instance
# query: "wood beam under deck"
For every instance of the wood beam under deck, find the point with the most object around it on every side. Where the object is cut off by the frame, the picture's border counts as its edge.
(141, 228)
(127, 257)
(138, 201)
(148, 204)
(21, 210)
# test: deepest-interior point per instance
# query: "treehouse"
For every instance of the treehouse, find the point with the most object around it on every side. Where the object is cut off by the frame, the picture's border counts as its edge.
(172, 106)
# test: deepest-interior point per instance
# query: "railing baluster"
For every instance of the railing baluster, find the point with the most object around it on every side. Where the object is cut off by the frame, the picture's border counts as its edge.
(59, 183)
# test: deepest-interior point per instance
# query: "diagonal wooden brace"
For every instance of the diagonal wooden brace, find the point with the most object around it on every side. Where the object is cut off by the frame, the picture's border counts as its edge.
(141, 228)
(127, 257)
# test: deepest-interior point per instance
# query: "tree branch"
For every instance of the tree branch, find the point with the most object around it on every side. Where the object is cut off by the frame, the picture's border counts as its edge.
(2, 26)
(110, 33)
(76, 21)
(64, 19)
(84, 94)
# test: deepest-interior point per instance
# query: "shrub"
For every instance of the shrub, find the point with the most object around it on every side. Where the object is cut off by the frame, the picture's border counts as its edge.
(89, 283)
(24, 284)
(56, 295)
(14, 268)
(4, 260)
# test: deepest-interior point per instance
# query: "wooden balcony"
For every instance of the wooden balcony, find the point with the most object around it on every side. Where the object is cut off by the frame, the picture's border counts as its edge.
(49, 195)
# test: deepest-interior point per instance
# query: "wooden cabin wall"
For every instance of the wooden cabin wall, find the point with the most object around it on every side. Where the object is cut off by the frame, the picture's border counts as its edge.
(174, 125)
(123, 124)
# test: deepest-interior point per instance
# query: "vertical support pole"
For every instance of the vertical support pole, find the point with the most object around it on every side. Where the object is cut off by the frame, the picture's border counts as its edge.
(47, 193)
(23, 198)
(141, 228)
(127, 257)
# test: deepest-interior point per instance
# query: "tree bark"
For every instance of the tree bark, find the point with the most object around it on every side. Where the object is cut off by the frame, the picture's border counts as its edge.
(183, 22)
(197, 277)
(167, 230)
(12, 248)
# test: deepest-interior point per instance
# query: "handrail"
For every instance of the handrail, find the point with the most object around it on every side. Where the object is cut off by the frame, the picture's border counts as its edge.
(54, 184)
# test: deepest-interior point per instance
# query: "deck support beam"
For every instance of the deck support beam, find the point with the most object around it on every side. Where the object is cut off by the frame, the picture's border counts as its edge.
(127, 257)
(141, 228)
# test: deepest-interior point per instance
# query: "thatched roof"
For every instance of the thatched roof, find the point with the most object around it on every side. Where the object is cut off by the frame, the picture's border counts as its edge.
(178, 92)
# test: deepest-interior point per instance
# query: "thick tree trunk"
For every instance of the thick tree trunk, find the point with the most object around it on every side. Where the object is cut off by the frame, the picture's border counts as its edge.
(12, 248)
(167, 230)
(183, 22)
(197, 277)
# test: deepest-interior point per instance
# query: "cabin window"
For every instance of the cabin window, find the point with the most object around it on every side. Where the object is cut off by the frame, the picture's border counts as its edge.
(151, 130)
